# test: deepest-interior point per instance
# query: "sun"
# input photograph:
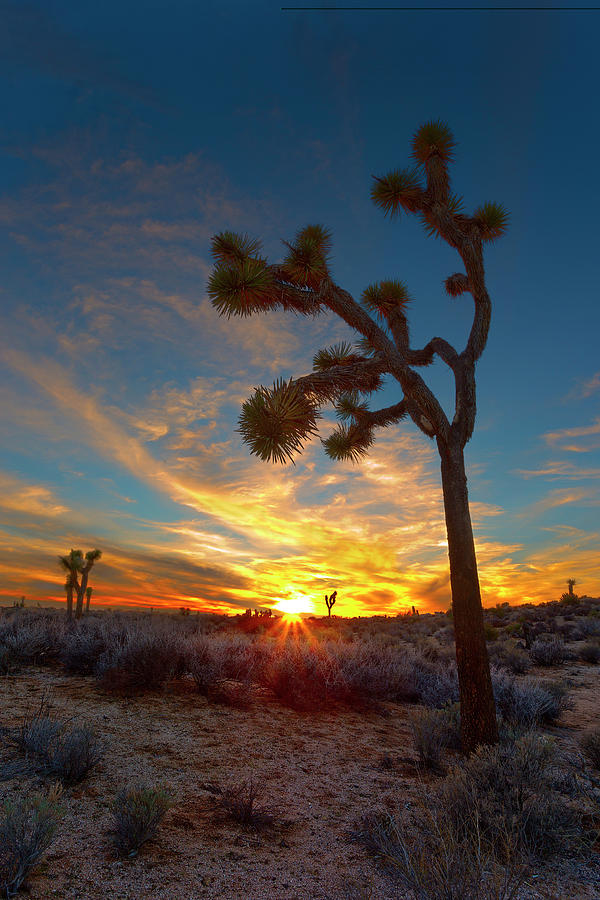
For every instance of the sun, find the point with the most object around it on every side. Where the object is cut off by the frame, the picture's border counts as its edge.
(293, 606)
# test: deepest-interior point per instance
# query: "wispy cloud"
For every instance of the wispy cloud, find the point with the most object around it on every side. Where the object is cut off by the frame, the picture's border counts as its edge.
(564, 438)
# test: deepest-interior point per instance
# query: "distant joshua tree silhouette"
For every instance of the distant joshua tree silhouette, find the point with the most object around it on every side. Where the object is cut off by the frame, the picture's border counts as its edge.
(74, 564)
(571, 582)
(276, 422)
(329, 601)
(88, 597)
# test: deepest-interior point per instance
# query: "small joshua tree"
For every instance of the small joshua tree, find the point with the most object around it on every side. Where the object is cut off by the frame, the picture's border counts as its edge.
(571, 583)
(329, 601)
(277, 421)
(88, 597)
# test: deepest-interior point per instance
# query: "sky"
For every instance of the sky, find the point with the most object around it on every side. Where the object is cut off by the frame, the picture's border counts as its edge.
(132, 133)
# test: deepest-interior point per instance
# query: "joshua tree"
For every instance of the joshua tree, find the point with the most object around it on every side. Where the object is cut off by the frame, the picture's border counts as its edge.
(329, 601)
(571, 583)
(86, 567)
(276, 421)
(88, 597)
(74, 564)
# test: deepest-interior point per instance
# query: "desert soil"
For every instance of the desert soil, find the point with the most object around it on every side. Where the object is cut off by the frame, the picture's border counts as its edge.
(319, 772)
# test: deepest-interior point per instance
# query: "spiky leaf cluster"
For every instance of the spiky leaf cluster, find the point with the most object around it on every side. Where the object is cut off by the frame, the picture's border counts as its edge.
(341, 354)
(492, 219)
(433, 139)
(348, 442)
(385, 297)
(241, 289)
(233, 249)
(350, 406)
(397, 190)
(306, 263)
(276, 421)
(456, 284)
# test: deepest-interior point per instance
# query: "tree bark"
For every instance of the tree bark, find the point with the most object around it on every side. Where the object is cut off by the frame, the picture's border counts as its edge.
(477, 706)
(69, 601)
(81, 591)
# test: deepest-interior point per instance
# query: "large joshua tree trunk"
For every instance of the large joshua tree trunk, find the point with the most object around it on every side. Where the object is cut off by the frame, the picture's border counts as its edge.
(477, 708)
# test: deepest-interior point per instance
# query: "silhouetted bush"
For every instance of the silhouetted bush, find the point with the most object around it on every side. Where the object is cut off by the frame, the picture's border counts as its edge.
(137, 813)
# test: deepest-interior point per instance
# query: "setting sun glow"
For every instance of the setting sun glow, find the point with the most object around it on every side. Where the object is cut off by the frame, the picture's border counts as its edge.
(293, 606)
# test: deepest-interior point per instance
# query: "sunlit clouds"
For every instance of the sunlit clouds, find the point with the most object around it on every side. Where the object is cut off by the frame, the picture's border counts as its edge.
(121, 387)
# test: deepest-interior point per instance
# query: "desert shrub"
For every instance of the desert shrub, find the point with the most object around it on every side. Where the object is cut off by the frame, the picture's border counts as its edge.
(82, 649)
(590, 652)
(37, 731)
(144, 661)
(375, 673)
(432, 731)
(205, 663)
(9, 664)
(491, 633)
(549, 652)
(509, 656)
(433, 859)
(73, 754)
(32, 639)
(436, 684)
(27, 829)
(590, 744)
(52, 747)
(244, 803)
(137, 812)
(528, 702)
(471, 836)
(590, 626)
(303, 677)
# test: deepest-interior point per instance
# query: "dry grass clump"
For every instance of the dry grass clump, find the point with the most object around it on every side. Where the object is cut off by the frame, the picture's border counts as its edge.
(244, 803)
(473, 836)
(137, 812)
(52, 747)
(433, 730)
(590, 744)
(27, 829)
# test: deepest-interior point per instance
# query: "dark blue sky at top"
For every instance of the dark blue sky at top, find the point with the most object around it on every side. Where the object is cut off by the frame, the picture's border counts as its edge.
(291, 113)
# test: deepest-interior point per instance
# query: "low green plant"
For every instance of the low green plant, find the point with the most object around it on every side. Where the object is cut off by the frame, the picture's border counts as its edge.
(137, 812)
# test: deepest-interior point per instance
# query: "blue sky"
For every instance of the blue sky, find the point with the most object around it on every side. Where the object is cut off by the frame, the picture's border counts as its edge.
(133, 133)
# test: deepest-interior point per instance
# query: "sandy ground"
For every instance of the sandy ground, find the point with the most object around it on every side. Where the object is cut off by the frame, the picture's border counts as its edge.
(319, 773)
